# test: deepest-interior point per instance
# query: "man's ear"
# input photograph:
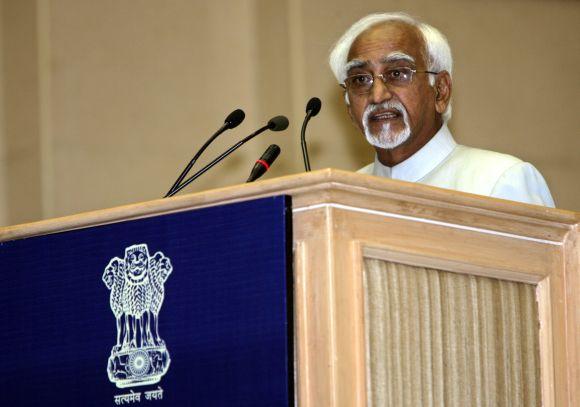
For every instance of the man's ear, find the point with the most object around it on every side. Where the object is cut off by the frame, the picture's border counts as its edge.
(443, 89)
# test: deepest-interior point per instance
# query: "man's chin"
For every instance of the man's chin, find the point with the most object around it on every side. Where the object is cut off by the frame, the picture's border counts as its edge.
(387, 141)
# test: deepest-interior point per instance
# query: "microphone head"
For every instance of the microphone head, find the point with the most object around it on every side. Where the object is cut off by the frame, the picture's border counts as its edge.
(278, 123)
(313, 106)
(234, 118)
(271, 153)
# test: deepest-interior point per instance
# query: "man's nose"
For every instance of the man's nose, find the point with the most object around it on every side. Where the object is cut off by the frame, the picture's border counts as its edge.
(380, 91)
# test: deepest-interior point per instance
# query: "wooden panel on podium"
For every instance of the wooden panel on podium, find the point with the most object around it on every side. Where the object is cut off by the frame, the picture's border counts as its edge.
(341, 220)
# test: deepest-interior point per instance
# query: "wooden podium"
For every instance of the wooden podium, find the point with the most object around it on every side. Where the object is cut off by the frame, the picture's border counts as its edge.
(406, 294)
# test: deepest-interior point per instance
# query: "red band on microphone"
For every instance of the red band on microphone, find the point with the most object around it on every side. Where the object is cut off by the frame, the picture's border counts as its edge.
(264, 163)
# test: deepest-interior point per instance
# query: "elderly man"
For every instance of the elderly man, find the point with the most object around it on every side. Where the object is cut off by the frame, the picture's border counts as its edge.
(396, 72)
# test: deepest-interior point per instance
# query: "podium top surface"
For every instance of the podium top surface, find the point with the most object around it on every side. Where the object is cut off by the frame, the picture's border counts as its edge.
(340, 189)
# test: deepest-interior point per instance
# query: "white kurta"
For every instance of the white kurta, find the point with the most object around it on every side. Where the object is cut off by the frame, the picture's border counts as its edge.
(444, 163)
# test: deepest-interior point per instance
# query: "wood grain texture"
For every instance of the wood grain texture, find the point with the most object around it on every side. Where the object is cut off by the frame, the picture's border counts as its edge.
(572, 296)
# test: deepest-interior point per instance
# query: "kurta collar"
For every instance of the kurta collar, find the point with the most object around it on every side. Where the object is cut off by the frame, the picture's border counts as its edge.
(423, 161)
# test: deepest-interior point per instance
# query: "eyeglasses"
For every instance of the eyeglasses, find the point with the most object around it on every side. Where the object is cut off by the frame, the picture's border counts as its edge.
(360, 84)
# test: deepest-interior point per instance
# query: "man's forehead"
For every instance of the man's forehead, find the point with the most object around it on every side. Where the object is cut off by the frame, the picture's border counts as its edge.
(383, 39)
(393, 57)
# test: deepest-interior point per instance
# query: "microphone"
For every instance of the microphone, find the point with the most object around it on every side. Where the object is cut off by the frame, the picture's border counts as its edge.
(277, 123)
(233, 120)
(312, 109)
(313, 106)
(264, 162)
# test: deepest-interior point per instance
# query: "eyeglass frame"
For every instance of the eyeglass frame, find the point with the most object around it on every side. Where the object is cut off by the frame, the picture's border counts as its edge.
(383, 78)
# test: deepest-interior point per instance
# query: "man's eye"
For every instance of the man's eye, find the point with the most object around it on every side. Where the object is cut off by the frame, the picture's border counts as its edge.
(362, 80)
(394, 73)
(397, 74)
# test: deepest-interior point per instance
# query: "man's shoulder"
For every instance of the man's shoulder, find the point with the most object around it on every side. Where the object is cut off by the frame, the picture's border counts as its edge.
(493, 174)
(471, 170)
(477, 158)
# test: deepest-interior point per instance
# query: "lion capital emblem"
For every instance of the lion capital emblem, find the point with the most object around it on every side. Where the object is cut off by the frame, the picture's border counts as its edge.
(140, 356)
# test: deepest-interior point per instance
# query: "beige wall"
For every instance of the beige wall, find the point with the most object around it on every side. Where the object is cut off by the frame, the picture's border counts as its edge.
(21, 121)
(104, 102)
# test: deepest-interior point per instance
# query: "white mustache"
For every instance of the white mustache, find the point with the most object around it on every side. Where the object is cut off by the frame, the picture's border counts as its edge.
(388, 105)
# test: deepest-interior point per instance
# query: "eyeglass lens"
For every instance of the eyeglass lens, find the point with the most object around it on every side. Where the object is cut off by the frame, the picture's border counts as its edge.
(362, 83)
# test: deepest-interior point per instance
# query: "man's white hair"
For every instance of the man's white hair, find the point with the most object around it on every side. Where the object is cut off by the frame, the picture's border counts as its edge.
(438, 50)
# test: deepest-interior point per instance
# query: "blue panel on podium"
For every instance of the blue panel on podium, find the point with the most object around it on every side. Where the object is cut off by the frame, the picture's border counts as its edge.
(184, 309)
